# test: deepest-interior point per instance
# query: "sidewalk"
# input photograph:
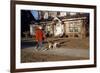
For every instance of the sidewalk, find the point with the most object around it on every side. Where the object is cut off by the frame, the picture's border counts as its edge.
(68, 52)
(84, 53)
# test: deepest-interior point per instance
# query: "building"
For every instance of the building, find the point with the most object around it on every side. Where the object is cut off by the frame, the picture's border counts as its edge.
(75, 27)
(64, 24)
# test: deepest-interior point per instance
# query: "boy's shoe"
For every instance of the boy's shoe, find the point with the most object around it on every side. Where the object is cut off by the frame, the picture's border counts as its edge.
(35, 48)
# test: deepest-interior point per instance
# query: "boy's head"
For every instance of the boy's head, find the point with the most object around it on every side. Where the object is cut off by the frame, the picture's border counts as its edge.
(40, 27)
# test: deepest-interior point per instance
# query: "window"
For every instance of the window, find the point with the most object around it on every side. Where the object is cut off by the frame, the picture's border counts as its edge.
(74, 26)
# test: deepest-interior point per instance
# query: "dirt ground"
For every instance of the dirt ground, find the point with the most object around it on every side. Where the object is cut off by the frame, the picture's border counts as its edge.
(29, 55)
(72, 42)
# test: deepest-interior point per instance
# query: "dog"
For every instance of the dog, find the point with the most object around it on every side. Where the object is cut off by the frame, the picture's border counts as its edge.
(53, 45)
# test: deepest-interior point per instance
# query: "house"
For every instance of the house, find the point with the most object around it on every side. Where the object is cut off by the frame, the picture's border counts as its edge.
(59, 24)
(75, 27)
(58, 27)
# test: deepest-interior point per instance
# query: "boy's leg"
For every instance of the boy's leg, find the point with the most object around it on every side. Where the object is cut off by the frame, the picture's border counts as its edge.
(37, 45)
(40, 44)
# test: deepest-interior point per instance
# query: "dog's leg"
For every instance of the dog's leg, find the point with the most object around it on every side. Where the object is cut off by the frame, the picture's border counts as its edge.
(50, 45)
(54, 45)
